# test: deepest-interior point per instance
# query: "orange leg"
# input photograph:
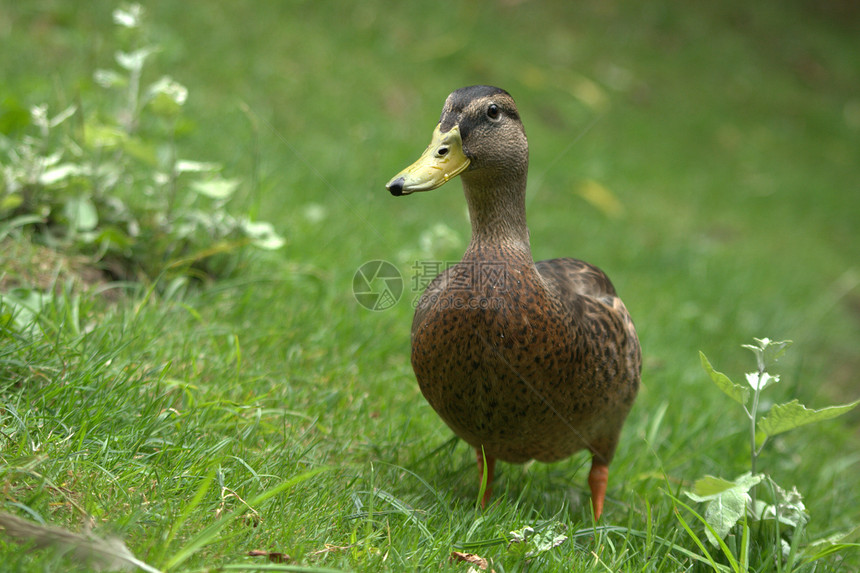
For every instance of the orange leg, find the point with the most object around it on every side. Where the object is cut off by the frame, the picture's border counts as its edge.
(491, 468)
(597, 480)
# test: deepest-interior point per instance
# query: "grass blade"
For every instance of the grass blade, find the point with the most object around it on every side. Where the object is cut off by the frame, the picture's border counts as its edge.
(210, 534)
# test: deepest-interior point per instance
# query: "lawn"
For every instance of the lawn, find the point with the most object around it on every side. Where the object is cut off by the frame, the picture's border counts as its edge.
(705, 155)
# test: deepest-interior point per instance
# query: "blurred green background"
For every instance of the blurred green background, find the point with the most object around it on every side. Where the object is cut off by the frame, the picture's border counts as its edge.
(727, 132)
(706, 155)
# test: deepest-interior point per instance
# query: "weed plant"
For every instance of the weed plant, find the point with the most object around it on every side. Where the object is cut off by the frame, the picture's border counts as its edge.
(104, 177)
(769, 534)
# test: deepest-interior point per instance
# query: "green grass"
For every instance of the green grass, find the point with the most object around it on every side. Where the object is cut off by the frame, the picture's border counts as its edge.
(727, 132)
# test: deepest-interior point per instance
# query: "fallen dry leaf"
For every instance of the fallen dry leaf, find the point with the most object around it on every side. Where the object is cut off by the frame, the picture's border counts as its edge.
(471, 558)
(272, 556)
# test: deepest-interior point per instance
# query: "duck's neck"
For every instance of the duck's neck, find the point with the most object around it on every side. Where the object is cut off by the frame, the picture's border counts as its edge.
(497, 210)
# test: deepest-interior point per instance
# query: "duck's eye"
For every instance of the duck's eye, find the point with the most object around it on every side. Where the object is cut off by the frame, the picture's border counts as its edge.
(493, 111)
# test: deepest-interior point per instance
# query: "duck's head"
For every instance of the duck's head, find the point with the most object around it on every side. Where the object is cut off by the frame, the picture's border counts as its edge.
(479, 136)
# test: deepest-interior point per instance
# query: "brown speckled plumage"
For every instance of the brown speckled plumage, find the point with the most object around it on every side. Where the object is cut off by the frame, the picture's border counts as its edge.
(524, 360)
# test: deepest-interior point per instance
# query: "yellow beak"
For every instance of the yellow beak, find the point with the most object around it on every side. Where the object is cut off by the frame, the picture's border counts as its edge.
(442, 160)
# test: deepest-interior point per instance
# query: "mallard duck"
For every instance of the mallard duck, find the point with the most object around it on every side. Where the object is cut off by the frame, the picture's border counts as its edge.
(522, 360)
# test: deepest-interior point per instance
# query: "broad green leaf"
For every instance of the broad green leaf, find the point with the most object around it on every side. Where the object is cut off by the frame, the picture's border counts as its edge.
(760, 381)
(60, 172)
(746, 481)
(39, 117)
(540, 538)
(166, 96)
(767, 351)
(129, 16)
(169, 87)
(522, 534)
(734, 391)
(187, 166)
(726, 501)
(263, 235)
(81, 213)
(710, 487)
(547, 538)
(788, 509)
(52, 159)
(784, 417)
(109, 78)
(216, 188)
(133, 61)
(724, 512)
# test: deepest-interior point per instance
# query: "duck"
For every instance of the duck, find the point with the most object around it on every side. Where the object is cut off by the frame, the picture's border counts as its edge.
(523, 360)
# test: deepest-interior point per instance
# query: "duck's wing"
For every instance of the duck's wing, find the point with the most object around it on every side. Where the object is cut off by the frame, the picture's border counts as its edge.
(597, 309)
(571, 278)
